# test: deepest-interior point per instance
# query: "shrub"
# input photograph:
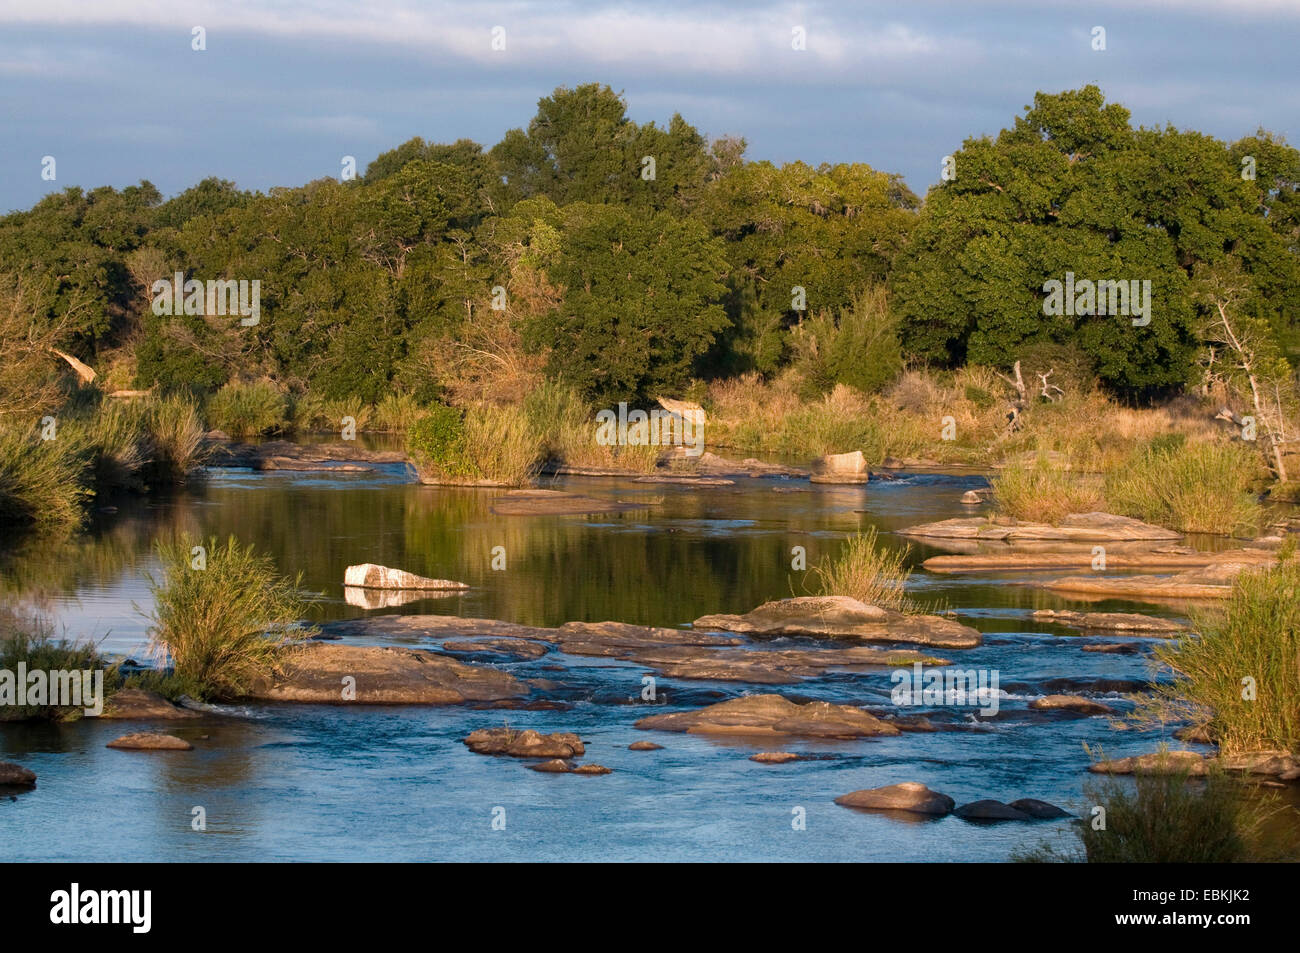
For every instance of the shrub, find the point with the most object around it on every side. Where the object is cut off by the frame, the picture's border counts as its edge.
(248, 410)
(226, 625)
(859, 348)
(43, 483)
(1258, 636)
(437, 442)
(1163, 818)
(868, 572)
(174, 433)
(1044, 492)
(1190, 486)
(114, 437)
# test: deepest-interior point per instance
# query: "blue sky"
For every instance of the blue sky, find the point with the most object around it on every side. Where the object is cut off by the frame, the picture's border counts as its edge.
(285, 88)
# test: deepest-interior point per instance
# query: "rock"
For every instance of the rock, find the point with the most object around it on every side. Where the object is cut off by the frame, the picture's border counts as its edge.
(1156, 762)
(774, 757)
(842, 617)
(554, 766)
(1197, 734)
(687, 480)
(909, 796)
(139, 704)
(1112, 622)
(1100, 527)
(315, 672)
(524, 744)
(1071, 703)
(976, 497)
(644, 746)
(281, 454)
(370, 576)
(557, 503)
(772, 716)
(1186, 585)
(592, 769)
(150, 741)
(1274, 764)
(1038, 810)
(1115, 648)
(16, 775)
(1169, 558)
(988, 810)
(840, 468)
(519, 648)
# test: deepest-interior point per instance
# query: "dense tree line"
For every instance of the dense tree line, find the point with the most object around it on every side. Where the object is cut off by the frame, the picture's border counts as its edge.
(633, 259)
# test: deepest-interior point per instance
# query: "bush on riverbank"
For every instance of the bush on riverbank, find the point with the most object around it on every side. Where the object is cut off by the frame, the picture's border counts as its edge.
(1193, 487)
(1236, 677)
(43, 483)
(1161, 819)
(30, 641)
(244, 410)
(224, 616)
(867, 571)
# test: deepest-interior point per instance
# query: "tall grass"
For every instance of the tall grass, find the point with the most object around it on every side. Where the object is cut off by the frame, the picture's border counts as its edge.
(174, 431)
(1193, 487)
(226, 623)
(247, 409)
(31, 641)
(1045, 492)
(43, 483)
(1256, 638)
(395, 413)
(867, 571)
(114, 436)
(564, 426)
(1163, 819)
(501, 446)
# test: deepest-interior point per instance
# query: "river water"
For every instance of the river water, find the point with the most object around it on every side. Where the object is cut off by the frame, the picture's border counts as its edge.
(308, 782)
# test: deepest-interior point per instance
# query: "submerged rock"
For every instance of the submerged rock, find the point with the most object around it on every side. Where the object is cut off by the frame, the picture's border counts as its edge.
(592, 769)
(1100, 527)
(1039, 810)
(150, 741)
(136, 703)
(774, 757)
(976, 497)
(316, 672)
(1210, 582)
(554, 766)
(990, 810)
(16, 775)
(1272, 764)
(371, 576)
(1071, 703)
(519, 648)
(556, 503)
(910, 796)
(842, 617)
(1122, 556)
(524, 744)
(644, 746)
(774, 716)
(1112, 622)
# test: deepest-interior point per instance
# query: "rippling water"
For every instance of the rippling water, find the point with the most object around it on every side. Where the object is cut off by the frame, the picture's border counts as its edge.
(332, 783)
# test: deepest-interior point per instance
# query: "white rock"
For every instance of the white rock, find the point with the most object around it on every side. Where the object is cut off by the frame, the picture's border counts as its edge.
(370, 576)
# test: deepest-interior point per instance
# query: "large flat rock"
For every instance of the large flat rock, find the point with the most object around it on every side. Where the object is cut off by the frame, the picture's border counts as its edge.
(1098, 527)
(1174, 559)
(135, 703)
(1214, 581)
(316, 671)
(372, 576)
(557, 503)
(845, 618)
(769, 716)
(1112, 622)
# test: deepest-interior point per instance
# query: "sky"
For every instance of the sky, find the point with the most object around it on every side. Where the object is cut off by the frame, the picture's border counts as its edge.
(115, 92)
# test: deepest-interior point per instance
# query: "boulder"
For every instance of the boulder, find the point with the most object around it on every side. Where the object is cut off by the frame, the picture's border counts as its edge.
(1156, 762)
(524, 744)
(989, 810)
(135, 703)
(150, 741)
(772, 716)
(1039, 810)
(843, 617)
(554, 766)
(1271, 764)
(1077, 703)
(644, 746)
(592, 769)
(909, 796)
(976, 497)
(16, 775)
(370, 576)
(774, 757)
(840, 468)
(315, 672)
(1098, 527)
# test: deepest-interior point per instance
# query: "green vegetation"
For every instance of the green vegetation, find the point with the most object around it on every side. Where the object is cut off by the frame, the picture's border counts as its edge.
(1190, 487)
(866, 571)
(224, 618)
(31, 642)
(248, 410)
(1045, 492)
(1236, 677)
(1162, 819)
